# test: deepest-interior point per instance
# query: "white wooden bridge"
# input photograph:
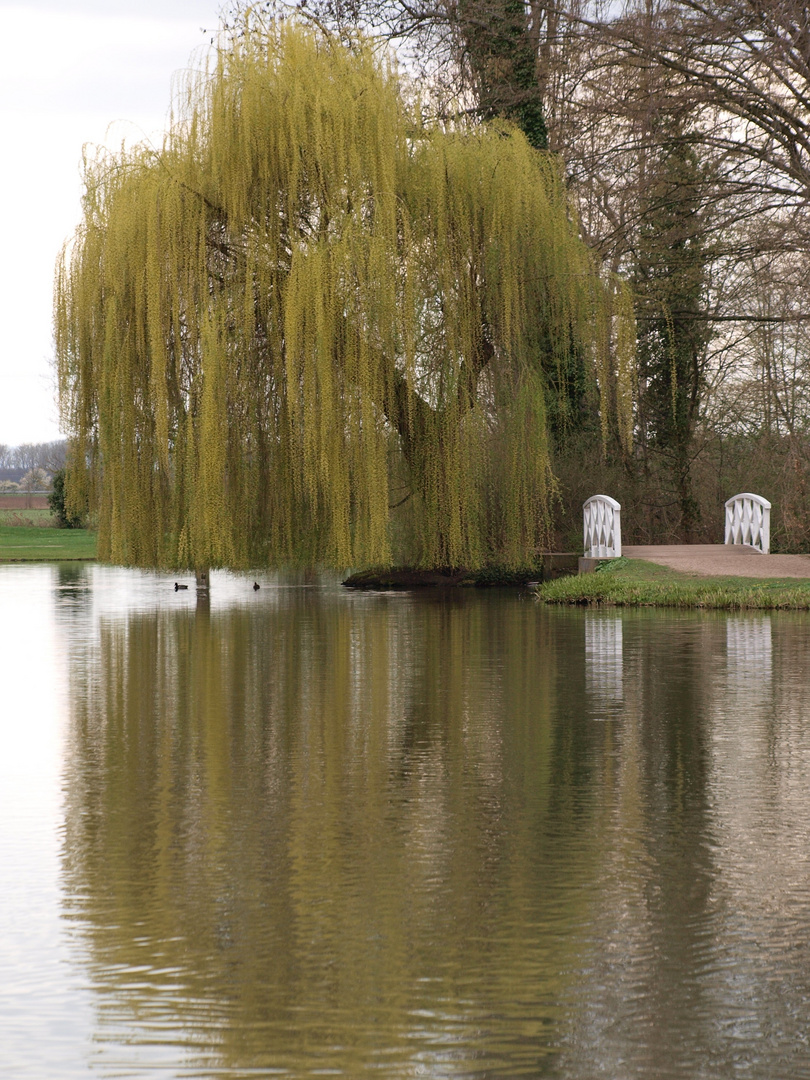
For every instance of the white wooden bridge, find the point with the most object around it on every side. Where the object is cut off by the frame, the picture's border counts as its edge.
(745, 552)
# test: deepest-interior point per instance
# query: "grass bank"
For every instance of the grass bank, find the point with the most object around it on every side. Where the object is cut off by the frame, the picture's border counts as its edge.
(33, 543)
(637, 583)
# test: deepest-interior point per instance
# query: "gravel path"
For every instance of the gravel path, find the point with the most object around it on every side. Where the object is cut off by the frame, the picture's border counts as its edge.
(717, 559)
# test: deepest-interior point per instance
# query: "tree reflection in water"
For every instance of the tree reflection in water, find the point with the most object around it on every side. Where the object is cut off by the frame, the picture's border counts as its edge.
(308, 834)
(385, 833)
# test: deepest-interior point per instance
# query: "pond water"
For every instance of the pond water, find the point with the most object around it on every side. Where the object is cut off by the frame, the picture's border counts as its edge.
(303, 832)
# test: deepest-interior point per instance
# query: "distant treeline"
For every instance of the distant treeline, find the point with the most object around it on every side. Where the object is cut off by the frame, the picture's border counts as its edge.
(15, 461)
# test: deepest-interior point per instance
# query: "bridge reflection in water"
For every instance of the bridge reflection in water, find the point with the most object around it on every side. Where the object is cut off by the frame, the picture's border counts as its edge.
(604, 658)
(749, 655)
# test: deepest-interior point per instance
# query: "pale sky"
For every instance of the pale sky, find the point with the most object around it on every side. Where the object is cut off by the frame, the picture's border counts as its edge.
(69, 70)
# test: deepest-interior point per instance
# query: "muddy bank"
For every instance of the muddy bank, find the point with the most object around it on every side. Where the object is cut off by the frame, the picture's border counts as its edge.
(554, 564)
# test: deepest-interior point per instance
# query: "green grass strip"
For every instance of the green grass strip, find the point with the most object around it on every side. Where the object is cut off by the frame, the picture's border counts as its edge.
(637, 583)
(23, 543)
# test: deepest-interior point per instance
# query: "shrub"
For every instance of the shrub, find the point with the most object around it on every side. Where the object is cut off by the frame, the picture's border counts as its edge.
(56, 500)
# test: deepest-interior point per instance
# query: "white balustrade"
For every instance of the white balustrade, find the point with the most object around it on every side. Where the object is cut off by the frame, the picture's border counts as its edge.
(748, 521)
(603, 528)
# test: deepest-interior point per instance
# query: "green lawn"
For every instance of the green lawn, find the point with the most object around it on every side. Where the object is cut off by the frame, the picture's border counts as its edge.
(637, 583)
(24, 543)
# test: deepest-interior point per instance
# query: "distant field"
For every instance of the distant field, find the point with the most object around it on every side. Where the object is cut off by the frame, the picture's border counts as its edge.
(17, 501)
(27, 533)
(25, 543)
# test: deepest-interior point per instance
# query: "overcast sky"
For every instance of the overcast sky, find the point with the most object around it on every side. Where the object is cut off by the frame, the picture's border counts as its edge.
(69, 70)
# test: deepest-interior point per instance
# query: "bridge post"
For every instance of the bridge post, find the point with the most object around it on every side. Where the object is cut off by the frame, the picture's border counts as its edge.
(748, 521)
(602, 527)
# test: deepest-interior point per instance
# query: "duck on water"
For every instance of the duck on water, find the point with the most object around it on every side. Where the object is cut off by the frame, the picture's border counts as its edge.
(178, 586)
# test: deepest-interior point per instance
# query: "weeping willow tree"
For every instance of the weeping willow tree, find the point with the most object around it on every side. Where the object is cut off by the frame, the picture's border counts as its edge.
(311, 328)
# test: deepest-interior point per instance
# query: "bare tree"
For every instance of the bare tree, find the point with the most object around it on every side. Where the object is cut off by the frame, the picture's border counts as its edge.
(53, 455)
(35, 479)
(746, 65)
(25, 456)
(49, 456)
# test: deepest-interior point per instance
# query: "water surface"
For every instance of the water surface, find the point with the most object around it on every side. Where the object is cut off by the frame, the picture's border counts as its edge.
(311, 832)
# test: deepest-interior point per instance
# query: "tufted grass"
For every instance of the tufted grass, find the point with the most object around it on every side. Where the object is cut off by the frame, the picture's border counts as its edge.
(33, 517)
(637, 583)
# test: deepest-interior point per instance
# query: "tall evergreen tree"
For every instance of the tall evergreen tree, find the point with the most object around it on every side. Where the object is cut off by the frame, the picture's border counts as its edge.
(502, 57)
(671, 283)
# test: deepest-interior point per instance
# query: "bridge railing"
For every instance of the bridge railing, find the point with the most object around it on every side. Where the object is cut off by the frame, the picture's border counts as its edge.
(602, 527)
(748, 521)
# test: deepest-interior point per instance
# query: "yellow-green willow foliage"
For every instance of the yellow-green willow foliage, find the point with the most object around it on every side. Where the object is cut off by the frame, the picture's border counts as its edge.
(308, 307)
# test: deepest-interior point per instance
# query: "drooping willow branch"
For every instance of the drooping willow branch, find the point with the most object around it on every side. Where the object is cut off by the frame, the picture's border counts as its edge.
(306, 296)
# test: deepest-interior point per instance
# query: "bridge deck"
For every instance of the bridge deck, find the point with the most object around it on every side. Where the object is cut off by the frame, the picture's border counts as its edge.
(721, 559)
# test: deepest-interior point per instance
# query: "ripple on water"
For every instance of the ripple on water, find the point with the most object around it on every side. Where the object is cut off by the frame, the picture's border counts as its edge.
(300, 832)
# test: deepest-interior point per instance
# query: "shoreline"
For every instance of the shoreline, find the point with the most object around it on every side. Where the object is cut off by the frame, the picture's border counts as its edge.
(554, 564)
(638, 583)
